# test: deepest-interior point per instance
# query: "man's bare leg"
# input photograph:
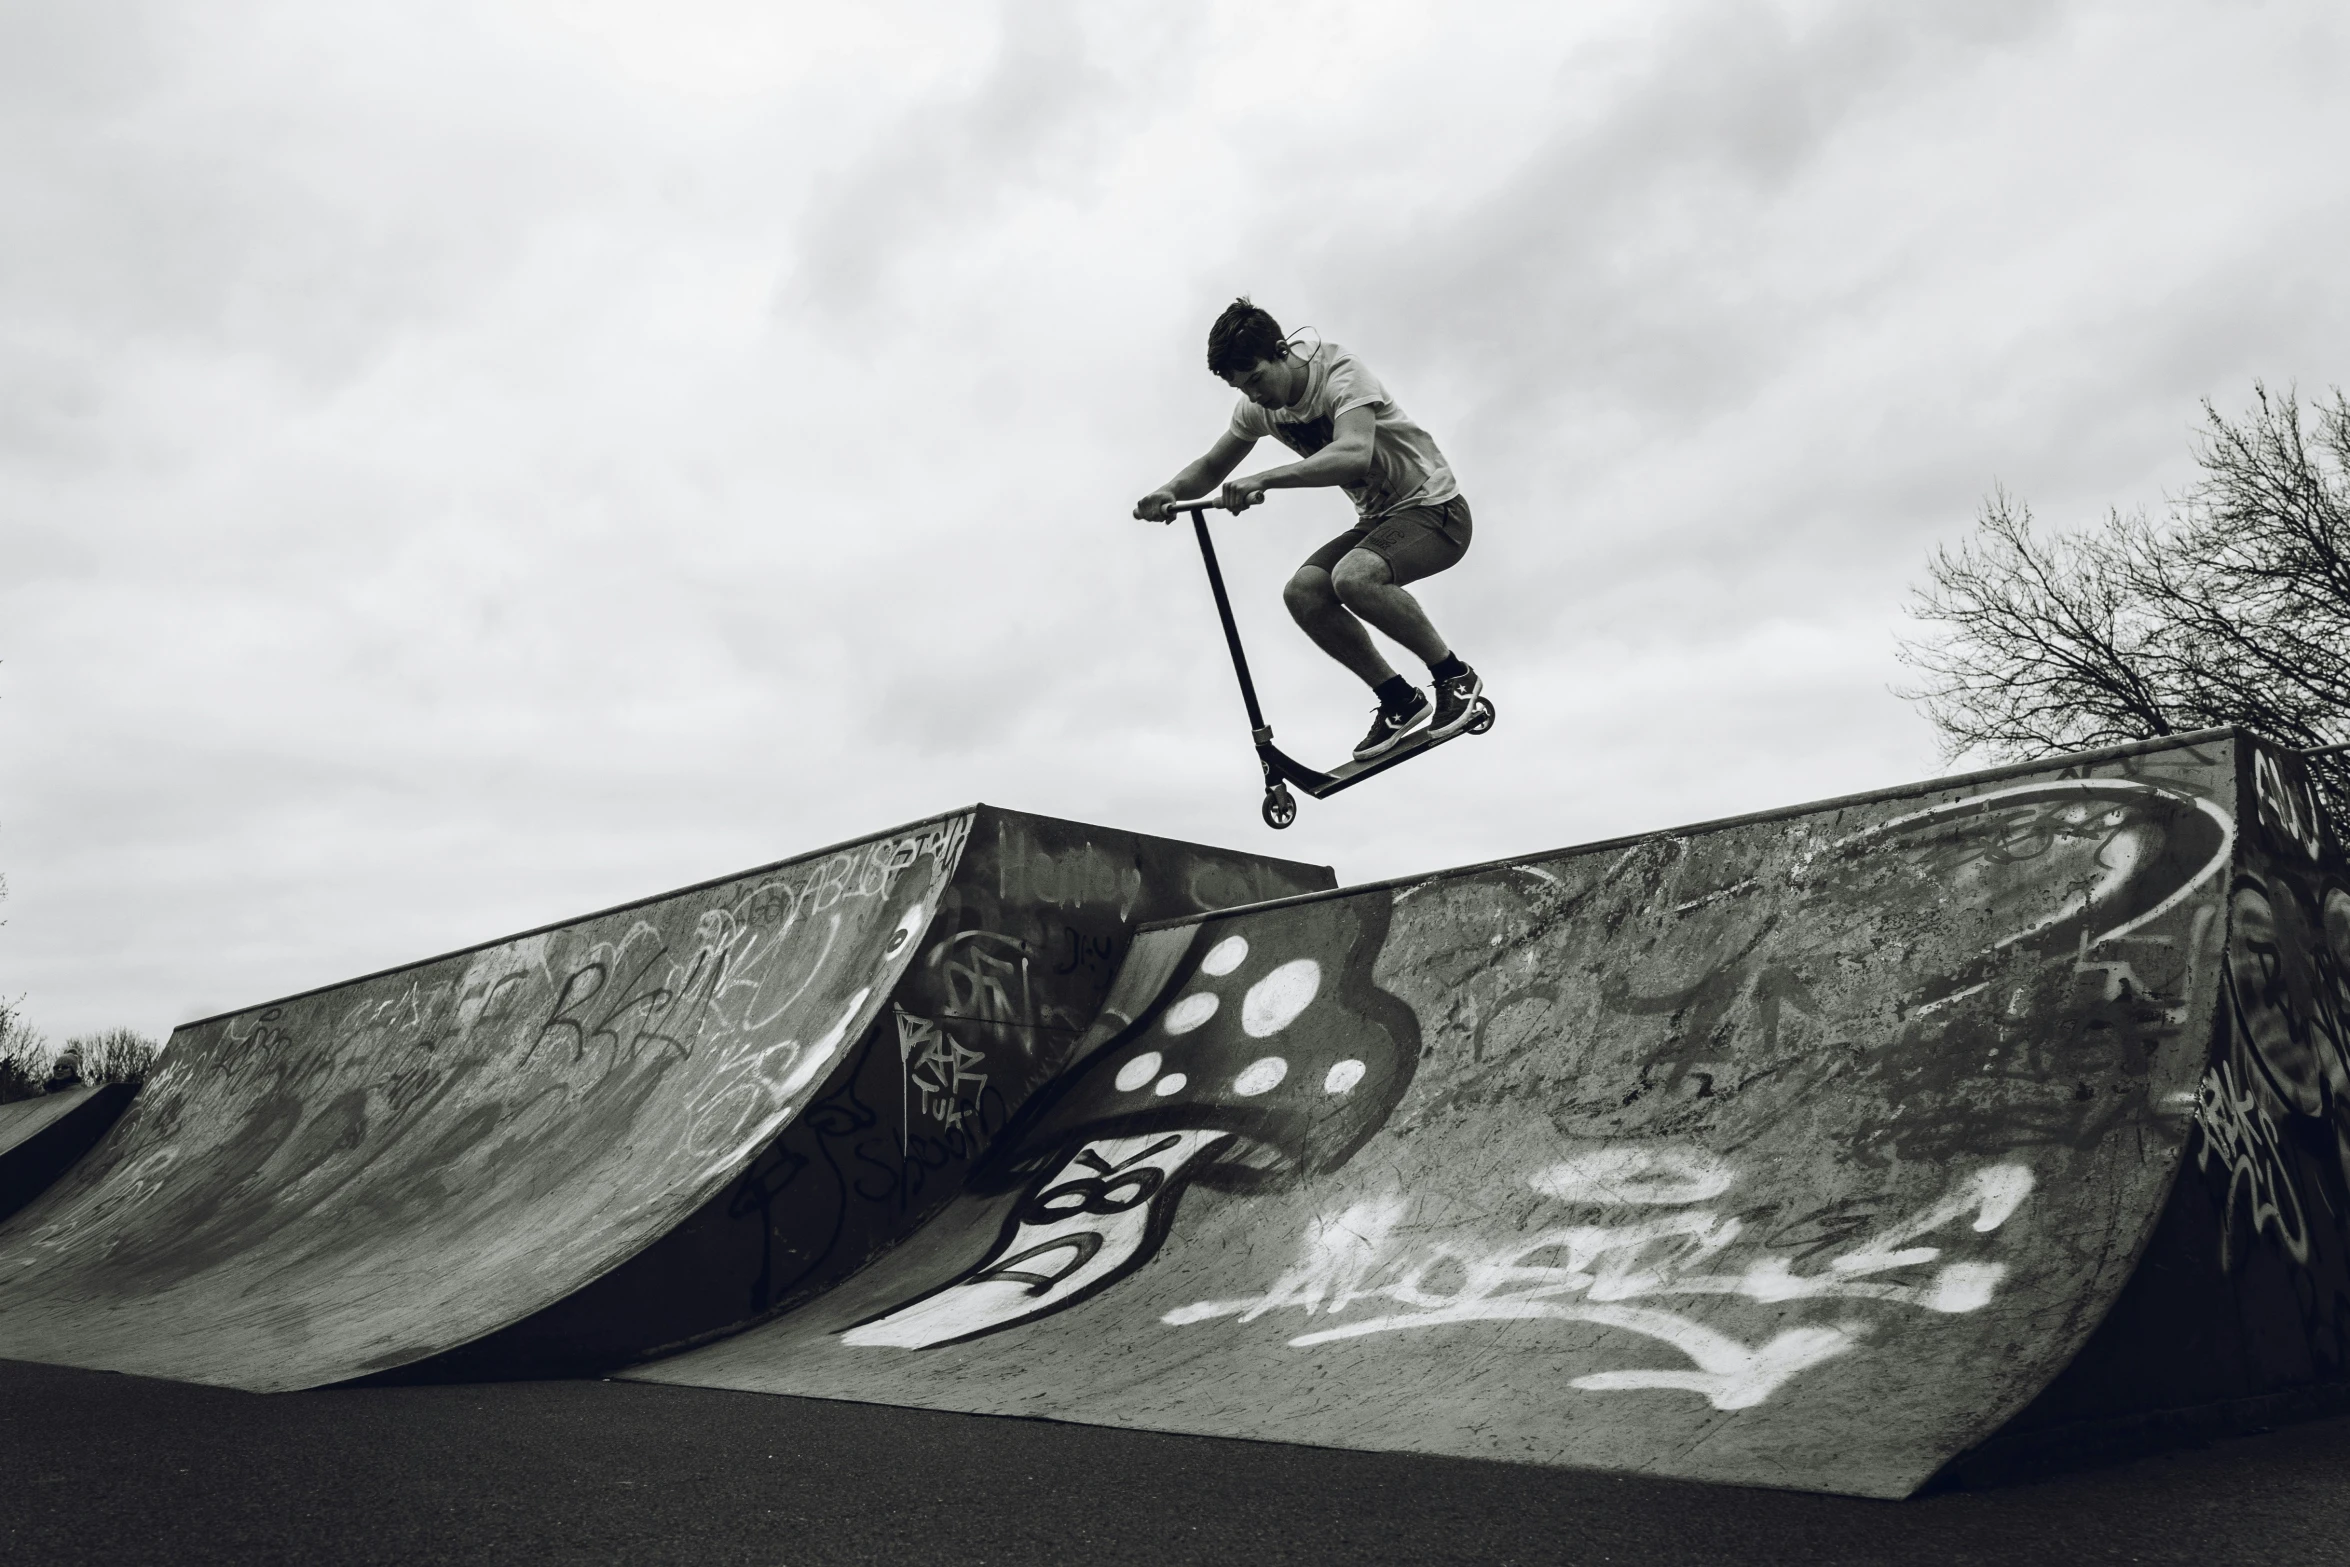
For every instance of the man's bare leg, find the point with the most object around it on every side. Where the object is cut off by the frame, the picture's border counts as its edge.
(1314, 604)
(1364, 585)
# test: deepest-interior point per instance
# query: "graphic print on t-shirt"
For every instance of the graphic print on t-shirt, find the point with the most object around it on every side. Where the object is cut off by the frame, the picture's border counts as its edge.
(1305, 437)
(1406, 468)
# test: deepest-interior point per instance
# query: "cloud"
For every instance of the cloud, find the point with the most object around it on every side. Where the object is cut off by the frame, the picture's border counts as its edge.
(463, 465)
(1034, 119)
(1628, 236)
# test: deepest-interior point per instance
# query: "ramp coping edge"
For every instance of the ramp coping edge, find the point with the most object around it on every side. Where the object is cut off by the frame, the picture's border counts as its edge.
(581, 919)
(1722, 823)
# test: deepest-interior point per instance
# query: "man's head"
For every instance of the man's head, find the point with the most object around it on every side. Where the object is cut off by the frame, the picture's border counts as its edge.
(1246, 347)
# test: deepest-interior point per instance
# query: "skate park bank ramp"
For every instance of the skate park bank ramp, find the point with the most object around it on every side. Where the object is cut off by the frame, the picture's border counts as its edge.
(377, 1173)
(1817, 1149)
(41, 1137)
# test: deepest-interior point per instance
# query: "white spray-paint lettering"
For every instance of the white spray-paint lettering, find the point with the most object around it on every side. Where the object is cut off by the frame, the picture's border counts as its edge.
(2240, 1134)
(1589, 1273)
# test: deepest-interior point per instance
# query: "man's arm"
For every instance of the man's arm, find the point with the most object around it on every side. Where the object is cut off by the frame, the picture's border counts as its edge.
(1196, 480)
(1346, 460)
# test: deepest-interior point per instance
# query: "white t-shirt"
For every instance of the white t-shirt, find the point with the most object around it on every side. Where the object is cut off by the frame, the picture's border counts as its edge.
(1406, 468)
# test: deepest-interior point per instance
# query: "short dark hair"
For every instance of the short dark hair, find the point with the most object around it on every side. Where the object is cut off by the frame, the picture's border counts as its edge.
(1242, 335)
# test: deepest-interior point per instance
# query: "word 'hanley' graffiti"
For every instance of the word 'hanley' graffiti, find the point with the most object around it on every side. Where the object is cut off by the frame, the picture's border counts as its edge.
(1591, 1273)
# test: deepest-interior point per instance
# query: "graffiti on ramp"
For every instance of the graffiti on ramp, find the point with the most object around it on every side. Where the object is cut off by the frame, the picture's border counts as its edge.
(1270, 1055)
(1273, 1054)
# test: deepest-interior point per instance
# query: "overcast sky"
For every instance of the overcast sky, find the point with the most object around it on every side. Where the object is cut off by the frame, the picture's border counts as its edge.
(464, 464)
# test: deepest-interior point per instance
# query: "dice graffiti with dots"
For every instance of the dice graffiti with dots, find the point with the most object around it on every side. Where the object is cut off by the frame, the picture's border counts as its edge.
(1270, 1029)
(1269, 1054)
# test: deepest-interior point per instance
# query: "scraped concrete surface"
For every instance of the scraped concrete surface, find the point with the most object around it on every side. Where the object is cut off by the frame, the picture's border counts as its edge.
(1801, 1151)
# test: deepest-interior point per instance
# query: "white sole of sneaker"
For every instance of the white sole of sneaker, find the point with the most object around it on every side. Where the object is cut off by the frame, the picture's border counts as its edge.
(1419, 720)
(1468, 715)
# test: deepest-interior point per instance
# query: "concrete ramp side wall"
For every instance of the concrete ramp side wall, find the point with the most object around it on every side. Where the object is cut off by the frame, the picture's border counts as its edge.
(42, 1138)
(2240, 1311)
(1801, 1151)
(1014, 967)
(360, 1176)
(22, 1120)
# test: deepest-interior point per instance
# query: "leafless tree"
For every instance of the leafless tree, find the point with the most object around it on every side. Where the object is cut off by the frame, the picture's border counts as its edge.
(2232, 609)
(25, 1056)
(116, 1055)
(28, 1066)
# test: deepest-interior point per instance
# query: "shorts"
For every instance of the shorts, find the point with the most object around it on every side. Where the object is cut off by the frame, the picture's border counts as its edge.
(1417, 542)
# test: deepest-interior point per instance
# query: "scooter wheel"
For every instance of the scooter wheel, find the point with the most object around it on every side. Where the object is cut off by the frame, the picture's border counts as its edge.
(1480, 717)
(1280, 808)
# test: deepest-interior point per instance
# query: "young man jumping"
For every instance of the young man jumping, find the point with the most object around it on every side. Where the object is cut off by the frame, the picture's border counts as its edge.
(1326, 406)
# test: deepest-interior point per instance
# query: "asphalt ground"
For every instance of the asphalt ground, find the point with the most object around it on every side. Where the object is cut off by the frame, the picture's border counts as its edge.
(102, 1468)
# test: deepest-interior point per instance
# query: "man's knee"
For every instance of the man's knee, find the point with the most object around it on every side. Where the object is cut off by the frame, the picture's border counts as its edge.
(1357, 573)
(1308, 592)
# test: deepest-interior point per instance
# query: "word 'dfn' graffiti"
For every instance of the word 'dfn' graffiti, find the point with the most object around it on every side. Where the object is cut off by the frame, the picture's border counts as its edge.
(1254, 1065)
(1655, 1246)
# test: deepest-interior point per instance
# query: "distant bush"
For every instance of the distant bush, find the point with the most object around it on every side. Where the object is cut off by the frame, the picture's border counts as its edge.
(119, 1055)
(25, 1061)
(28, 1067)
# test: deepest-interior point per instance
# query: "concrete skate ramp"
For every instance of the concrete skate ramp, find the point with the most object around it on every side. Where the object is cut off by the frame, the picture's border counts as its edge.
(1804, 1150)
(41, 1137)
(364, 1176)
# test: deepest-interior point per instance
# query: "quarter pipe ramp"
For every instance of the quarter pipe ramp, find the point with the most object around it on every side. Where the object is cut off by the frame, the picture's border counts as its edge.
(1817, 1149)
(379, 1173)
(40, 1138)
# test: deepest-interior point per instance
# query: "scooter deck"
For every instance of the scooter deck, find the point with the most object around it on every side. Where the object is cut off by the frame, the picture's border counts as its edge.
(1323, 785)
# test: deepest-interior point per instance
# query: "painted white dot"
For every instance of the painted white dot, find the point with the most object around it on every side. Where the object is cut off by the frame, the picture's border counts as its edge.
(1191, 1012)
(1172, 1083)
(1343, 1076)
(1260, 1076)
(1225, 956)
(1274, 1002)
(812, 1060)
(908, 927)
(1138, 1071)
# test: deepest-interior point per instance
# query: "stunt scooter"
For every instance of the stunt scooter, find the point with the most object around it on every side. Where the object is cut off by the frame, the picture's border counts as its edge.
(1281, 769)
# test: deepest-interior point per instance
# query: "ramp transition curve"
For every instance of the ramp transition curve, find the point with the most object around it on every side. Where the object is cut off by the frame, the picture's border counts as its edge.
(762, 1079)
(42, 1137)
(1822, 1149)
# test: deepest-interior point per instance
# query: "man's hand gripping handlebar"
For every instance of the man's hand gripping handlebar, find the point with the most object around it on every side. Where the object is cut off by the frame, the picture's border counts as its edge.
(1237, 496)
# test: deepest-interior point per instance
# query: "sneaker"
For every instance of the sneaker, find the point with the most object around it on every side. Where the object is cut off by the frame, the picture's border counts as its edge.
(1389, 729)
(1456, 703)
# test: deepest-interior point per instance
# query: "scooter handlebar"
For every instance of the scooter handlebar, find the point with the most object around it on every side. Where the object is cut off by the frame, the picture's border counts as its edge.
(1197, 505)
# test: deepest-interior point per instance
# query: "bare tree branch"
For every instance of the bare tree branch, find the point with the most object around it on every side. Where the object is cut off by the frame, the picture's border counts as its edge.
(2235, 608)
